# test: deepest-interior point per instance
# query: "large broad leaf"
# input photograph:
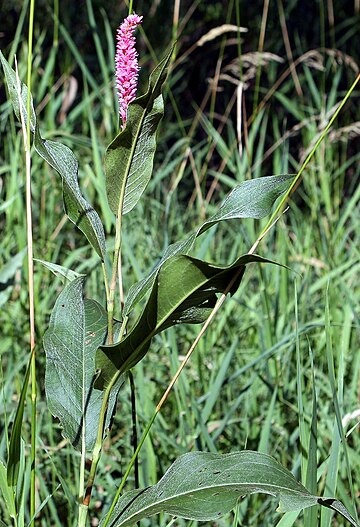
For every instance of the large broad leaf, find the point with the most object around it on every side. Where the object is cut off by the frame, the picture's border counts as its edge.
(129, 158)
(61, 158)
(203, 486)
(250, 199)
(184, 291)
(77, 328)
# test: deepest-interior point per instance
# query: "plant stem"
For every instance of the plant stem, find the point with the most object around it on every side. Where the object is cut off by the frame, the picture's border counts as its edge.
(131, 464)
(134, 438)
(84, 507)
(106, 282)
(260, 50)
(31, 269)
(112, 286)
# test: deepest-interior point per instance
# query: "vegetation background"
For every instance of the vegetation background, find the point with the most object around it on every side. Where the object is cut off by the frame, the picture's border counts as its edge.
(283, 354)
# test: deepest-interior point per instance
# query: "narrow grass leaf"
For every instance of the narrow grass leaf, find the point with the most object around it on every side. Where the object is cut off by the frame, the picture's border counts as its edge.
(77, 328)
(215, 388)
(311, 515)
(205, 486)
(184, 291)
(288, 519)
(62, 159)
(129, 158)
(13, 463)
(7, 492)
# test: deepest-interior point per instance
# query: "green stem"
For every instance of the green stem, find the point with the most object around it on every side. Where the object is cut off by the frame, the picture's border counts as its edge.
(167, 391)
(96, 454)
(106, 282)
(110, 295)
(112, 286)
(130, 466)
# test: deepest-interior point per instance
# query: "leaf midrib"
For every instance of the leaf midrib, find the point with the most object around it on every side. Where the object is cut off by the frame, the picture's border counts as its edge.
(224, 486)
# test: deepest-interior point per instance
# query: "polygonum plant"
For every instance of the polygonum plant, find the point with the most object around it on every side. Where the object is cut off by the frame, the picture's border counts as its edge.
(89, 354)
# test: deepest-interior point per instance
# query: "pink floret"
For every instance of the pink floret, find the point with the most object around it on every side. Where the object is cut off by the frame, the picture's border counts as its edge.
(126, 63)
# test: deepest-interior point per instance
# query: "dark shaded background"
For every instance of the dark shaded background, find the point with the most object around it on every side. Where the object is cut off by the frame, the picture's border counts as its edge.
(304, 21)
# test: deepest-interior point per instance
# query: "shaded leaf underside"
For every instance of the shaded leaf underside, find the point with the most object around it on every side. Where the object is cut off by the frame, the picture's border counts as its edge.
(184, 291)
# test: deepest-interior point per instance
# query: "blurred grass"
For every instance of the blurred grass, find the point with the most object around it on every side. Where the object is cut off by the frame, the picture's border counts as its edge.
(274, 364)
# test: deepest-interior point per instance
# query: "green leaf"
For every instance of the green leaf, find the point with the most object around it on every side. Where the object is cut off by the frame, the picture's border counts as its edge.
(7, 492)
(62, 159)
(184, 291)
(14, 455)
(250, 199)
(129, 158)
(204, 486)
(77, 328)
(59, 270)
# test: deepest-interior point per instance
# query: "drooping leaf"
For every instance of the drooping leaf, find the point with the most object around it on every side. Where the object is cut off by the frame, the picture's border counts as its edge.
(59, 270)
(14, 455)
(184, 291)
(250, 199)
(203, 486)
(129, 158)
(77, 328)
(62, 159)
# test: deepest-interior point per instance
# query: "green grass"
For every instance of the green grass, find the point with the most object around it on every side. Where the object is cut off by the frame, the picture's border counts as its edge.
(282, 357)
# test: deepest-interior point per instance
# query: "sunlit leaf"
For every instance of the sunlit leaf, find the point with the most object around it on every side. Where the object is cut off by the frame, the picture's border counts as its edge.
(129, 158)
(250, 199)
(62, 159)
(203, 486)
(184, 291)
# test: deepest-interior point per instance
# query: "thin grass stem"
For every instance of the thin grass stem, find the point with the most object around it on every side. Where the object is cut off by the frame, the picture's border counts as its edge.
(29, 237)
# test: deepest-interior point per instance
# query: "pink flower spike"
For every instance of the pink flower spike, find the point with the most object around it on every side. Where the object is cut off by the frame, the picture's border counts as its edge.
(126, 63)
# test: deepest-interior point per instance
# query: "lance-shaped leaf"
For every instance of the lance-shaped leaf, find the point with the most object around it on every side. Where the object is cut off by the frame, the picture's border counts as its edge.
(250, 199)
(62, 272)
(203, 486)
(129, 158)
(184, 291)
(62, 159)
(77, 328)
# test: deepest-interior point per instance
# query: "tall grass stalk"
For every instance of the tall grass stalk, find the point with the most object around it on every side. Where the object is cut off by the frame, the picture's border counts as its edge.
(29, 236)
